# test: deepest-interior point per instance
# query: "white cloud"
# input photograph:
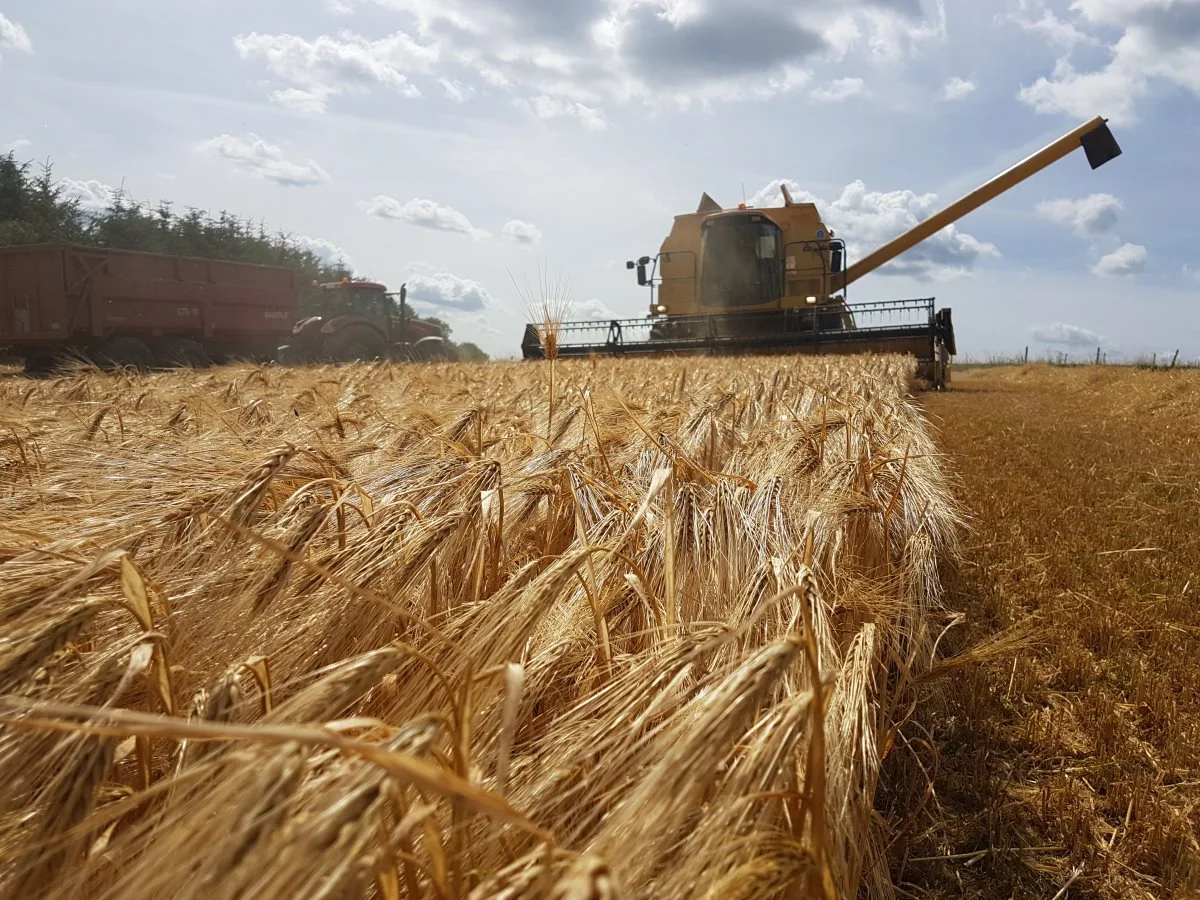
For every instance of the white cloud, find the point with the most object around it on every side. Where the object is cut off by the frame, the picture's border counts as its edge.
(300, 100)
(92, 196)
(868, 219)
(1088, 216)
(336, 64)
(456, 90)
(1190, 271)
(1128, 259)
(522, 232)
(958, 88)
(423, 213)
(841, 89)
(546, 107)
(1159, 42)
(324, 250)
(1061, 334)
(593, 309)
(20, 145)
(13, 36)
(585, 55)
(446, 291)
(1058, 32)
(1082, 94)
(263, 160)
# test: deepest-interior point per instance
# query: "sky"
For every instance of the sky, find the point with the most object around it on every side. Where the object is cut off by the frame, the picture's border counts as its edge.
(479, 150)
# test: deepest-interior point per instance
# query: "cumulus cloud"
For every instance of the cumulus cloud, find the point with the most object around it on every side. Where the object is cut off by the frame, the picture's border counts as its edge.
(446, 291)
(1159, 43)
(13, 36)
(958, 88)
(867, 219)
(1080, 94)
(522, 232)
(456, 90)
(589, 310)
(326, 251)
(1088, 216)
(423, 213)
(92, 196)
(546, 107)
(841, 89)
(1128, 259)
(336, 64)
(299, 100)
(1058, 32)
(727, 40)
(588, 54)
(256, 157)
(1064, 335)
(20, 145)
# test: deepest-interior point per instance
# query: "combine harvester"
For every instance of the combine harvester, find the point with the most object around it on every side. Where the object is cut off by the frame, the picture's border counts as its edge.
(756, 280)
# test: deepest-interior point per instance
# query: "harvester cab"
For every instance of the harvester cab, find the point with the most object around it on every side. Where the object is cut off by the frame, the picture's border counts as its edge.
(775, 279)
(362, 320)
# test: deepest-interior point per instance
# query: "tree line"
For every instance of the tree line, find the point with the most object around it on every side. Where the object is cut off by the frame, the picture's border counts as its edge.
(35, 208)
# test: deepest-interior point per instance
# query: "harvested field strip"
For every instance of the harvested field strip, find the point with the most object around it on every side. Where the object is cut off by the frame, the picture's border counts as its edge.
(1079, 754)
(402, 632)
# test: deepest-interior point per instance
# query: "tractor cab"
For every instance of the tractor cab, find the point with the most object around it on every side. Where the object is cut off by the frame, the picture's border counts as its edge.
(363, 299)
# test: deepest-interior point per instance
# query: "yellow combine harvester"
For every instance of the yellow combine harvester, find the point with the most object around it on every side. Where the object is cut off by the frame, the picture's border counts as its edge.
(750, 280)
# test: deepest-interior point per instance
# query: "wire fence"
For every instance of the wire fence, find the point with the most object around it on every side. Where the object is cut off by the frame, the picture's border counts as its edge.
(1170, 359)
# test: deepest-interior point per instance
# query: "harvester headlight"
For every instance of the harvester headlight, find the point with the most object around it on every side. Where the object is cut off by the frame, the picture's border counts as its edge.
(660, 308)
(810, 299)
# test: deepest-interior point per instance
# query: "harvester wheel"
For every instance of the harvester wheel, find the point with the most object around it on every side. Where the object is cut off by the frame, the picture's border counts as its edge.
(184, 352)
(124, 352)
(355, 342)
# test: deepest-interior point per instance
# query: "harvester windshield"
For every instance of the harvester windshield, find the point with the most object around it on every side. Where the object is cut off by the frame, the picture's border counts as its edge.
(741, 262)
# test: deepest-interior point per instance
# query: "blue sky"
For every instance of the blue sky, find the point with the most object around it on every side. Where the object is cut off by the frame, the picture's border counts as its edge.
(461, 145)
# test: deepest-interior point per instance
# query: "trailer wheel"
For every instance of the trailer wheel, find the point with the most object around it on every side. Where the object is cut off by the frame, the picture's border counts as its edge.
(124, 352)
(40, 365)
(184, 352)
(355, 342)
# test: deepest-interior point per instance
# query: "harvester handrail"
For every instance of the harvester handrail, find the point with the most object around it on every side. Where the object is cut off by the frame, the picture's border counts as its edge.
(985, 193)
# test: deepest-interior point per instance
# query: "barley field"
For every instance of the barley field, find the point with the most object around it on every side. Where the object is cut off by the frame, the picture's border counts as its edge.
(608, 629)
(1072, 761)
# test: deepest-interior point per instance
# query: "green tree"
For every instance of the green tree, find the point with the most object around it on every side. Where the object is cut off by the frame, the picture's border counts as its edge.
(469, 352)
(33, 209)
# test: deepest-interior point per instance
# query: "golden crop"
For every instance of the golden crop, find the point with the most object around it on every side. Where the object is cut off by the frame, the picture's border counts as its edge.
(397, 631)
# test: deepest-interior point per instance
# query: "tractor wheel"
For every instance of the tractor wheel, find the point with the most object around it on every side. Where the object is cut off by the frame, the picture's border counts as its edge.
(293, 355)
(184, 352)
(124, 352)
(355, 342)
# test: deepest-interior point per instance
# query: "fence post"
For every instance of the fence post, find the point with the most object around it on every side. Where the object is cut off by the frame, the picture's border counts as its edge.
(1097, 356)
(1154, 361)
(1027, 353)
(1174, 359)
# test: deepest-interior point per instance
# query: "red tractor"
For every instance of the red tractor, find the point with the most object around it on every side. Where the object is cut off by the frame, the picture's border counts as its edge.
(362, 320)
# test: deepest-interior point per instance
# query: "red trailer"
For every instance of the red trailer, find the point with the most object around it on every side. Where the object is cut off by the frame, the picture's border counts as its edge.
(120, 307)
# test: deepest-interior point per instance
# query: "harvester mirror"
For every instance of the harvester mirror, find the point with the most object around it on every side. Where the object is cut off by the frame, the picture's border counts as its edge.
(629, 263)
(835, 260)
(641, 271)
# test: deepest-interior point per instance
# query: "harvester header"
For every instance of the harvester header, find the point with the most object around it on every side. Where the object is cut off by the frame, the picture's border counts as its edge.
(774, 279)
